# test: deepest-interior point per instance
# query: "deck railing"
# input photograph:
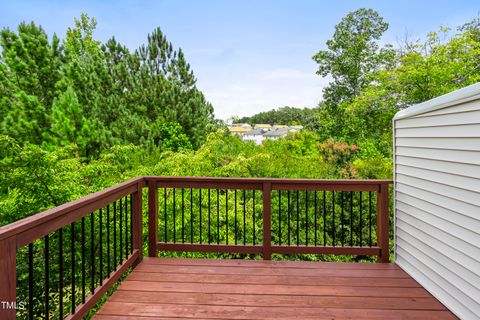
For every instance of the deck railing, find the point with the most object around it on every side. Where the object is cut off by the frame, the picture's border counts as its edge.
(69, 256)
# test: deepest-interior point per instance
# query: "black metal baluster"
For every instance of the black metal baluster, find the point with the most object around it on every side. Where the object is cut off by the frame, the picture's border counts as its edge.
(351, 218)
(83, 259)
(370, 218)
(183, 215)
(92, 256)
(131, 224)
(298, 220)
(60, 263)
(72, 256)
(342, 217)
(30, 280)
(209, 217)
(200, 213)
(235, 224)
(333, 218)
(279, 217)
(288, 216)
(115, 235)
(165, 215)
(218, 218)
(108, 240)
(315, 222)
(120, 231)
(191, 215)
(306, 218)
(254, 217)
(361, 219)
(47, 278)
(244, 221)
(174, 216)
(100, 245)
(324, 219)
(226, 215)
(126, 226)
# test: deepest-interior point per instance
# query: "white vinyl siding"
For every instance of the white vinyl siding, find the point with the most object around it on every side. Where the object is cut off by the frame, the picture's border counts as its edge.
(437, 200)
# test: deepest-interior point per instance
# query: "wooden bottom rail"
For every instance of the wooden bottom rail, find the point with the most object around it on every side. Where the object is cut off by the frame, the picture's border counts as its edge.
(193, 247)
(92, 299)
(258, 249)
(367, 251)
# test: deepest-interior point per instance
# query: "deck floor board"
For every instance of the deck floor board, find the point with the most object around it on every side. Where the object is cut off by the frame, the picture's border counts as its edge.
(165, 288)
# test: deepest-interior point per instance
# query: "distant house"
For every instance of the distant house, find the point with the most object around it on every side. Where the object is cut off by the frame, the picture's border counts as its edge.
(256, 135)
(295, 128)
(279, 126)
(239, 128)
(275, 134)
(263, 126)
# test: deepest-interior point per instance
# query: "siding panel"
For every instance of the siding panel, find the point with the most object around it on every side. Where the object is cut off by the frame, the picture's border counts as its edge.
(472, 265)
(442, 189)
(467, 144)
(441, 120)
(437, 203)
(460, 169)
(460, 131)
(470, 157)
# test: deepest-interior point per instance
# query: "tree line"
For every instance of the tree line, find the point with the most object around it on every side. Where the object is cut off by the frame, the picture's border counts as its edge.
(95, 95)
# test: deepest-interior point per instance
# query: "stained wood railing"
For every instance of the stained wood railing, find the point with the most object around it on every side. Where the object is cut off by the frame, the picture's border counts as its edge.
(69, 256)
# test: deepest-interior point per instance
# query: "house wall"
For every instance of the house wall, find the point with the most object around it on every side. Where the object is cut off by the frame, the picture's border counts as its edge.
(437, 202)
(258, 139)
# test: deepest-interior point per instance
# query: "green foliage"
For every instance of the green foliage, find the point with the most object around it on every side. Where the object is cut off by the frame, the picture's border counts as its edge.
(353, 55)
(287, 115)
(98, 95)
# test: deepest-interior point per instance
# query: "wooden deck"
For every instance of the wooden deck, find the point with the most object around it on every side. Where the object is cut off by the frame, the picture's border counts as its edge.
(241, 289)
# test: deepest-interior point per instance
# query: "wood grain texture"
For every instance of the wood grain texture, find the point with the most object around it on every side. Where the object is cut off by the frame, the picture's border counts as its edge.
(248, 289)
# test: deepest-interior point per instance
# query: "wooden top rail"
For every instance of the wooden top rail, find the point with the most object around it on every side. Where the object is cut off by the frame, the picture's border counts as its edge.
(41, 224)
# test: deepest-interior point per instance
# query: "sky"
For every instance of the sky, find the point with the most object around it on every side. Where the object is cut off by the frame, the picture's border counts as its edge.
(248, 55)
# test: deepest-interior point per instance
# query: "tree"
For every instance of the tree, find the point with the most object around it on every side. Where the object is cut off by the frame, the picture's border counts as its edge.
(29, 69)
(426, 69)
(353, 55)
(166, 88)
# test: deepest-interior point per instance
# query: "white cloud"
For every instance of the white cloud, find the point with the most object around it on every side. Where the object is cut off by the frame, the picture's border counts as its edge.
(264, 91)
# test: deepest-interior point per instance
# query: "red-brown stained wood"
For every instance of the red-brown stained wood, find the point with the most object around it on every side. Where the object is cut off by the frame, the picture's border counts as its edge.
(343, 291)
(265, 300)
(8, 294)
(137, 225)
(273, 271)
(271, 263)
(42, 223)
(152, 219)
(383, 218)
(241, 312)
(267, 216)
(290, 280)
(195, 247)
(241, 289)
(284, 249)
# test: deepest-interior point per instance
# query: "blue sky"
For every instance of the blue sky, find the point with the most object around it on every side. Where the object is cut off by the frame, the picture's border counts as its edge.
(248, 55)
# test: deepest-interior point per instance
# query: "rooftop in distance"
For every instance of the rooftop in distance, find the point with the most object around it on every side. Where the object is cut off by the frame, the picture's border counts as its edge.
(262, 131)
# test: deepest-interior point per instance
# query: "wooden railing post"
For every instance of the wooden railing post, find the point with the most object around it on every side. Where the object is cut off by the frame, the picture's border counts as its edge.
(383, 218)
(137, 224)
(267, 217)
(152, 218)
(8, 282)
